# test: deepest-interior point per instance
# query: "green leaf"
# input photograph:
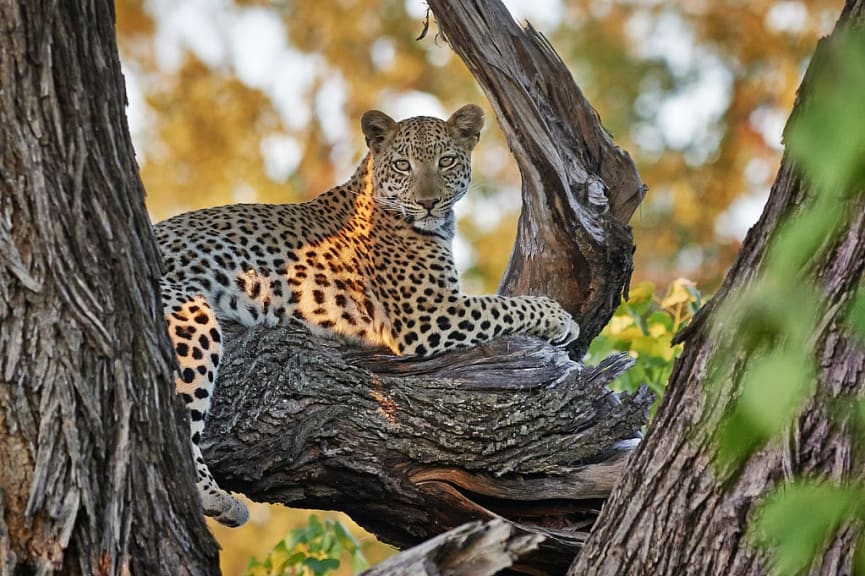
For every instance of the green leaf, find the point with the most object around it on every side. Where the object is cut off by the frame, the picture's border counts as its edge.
(637, 315)
(281, 546)
(661, 318)
(799, 239)
(297, 558)
(327, 541)
(828, 137)
(348, 541)
(321, 566)
(761, 316)
(859, 558)
(251, 567)
(796, 522)
(358, 562)
(773, 390)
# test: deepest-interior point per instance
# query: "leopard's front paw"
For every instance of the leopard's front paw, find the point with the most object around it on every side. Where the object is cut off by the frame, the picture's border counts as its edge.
(570, 332)
(558, 326)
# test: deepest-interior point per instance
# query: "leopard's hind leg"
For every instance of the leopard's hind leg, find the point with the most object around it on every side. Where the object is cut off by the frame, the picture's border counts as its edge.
(197, 339)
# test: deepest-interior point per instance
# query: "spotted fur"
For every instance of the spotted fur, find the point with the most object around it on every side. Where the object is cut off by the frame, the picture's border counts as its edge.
(369, 261)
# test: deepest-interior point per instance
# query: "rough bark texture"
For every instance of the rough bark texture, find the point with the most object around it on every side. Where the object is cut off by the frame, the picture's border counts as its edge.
(95, 477)
(411, 449)
(671, 514)
(474, 549)
(90, 483)
(515, 429)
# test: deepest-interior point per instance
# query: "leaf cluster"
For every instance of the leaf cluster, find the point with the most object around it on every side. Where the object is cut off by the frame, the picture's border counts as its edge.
(644, 326)
(312, 550)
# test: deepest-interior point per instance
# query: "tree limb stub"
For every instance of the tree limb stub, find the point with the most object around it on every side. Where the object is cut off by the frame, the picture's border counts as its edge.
(513, 429)
(474, 549)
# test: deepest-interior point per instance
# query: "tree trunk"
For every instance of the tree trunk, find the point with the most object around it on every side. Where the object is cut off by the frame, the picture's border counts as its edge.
(672, 514)
(95, 477)
(513, 429)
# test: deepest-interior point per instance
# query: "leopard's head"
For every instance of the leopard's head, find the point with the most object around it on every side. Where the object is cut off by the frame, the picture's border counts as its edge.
(422, 165)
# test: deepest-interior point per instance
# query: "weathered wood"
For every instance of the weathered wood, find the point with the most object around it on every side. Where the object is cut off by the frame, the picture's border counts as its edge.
(474, 549)
(672, 514)
(410, 449)
(95, 476)
(514, 429)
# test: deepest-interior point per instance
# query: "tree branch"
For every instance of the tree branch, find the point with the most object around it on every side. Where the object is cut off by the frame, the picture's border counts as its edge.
(579, 189)
(474, 549)
(410, 449)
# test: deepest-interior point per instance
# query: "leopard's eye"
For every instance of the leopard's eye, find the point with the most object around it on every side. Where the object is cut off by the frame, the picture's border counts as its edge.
(402, 165)
(447, 161)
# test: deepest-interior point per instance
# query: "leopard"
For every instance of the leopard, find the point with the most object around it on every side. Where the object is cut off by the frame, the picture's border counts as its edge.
(368, 262)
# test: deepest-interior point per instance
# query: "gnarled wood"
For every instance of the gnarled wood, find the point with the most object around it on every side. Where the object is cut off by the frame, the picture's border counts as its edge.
(95, 476)
(513, 429)
(410, 449)
(474, 549)
(579, 189)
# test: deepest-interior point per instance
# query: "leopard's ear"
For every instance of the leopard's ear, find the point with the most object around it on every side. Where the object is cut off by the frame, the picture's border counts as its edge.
(465, 125)
(377, 128)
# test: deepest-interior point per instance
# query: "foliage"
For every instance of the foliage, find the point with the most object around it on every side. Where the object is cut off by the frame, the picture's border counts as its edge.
(776, 337)
(312, 550)
(644, 326)
(799, 518)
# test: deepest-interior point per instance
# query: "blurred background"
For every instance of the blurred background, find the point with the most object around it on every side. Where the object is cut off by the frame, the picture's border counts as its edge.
(243, 101)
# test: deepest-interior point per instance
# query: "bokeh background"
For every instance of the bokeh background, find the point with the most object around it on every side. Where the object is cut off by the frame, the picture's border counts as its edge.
(242, 101)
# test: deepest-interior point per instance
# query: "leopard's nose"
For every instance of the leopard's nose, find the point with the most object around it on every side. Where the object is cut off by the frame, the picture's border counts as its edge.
(428, 203)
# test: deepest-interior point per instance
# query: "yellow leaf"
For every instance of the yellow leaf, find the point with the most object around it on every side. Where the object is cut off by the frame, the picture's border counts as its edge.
(678, 293)
(619, 323)
(657, 330)
(642, 292)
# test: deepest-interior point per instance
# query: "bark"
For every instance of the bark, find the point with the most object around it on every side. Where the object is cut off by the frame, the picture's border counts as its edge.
(514, 429)
(95, 476)
(672, 514)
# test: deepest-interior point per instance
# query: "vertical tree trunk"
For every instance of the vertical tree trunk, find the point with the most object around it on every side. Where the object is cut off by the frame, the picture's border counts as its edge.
(94, 476)
(671, 514)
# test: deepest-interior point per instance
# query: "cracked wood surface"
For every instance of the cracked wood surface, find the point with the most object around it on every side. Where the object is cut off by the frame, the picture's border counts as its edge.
(95, 476)
(513, 429)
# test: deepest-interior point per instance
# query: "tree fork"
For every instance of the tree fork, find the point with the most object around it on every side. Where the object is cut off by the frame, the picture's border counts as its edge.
(514, 429)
